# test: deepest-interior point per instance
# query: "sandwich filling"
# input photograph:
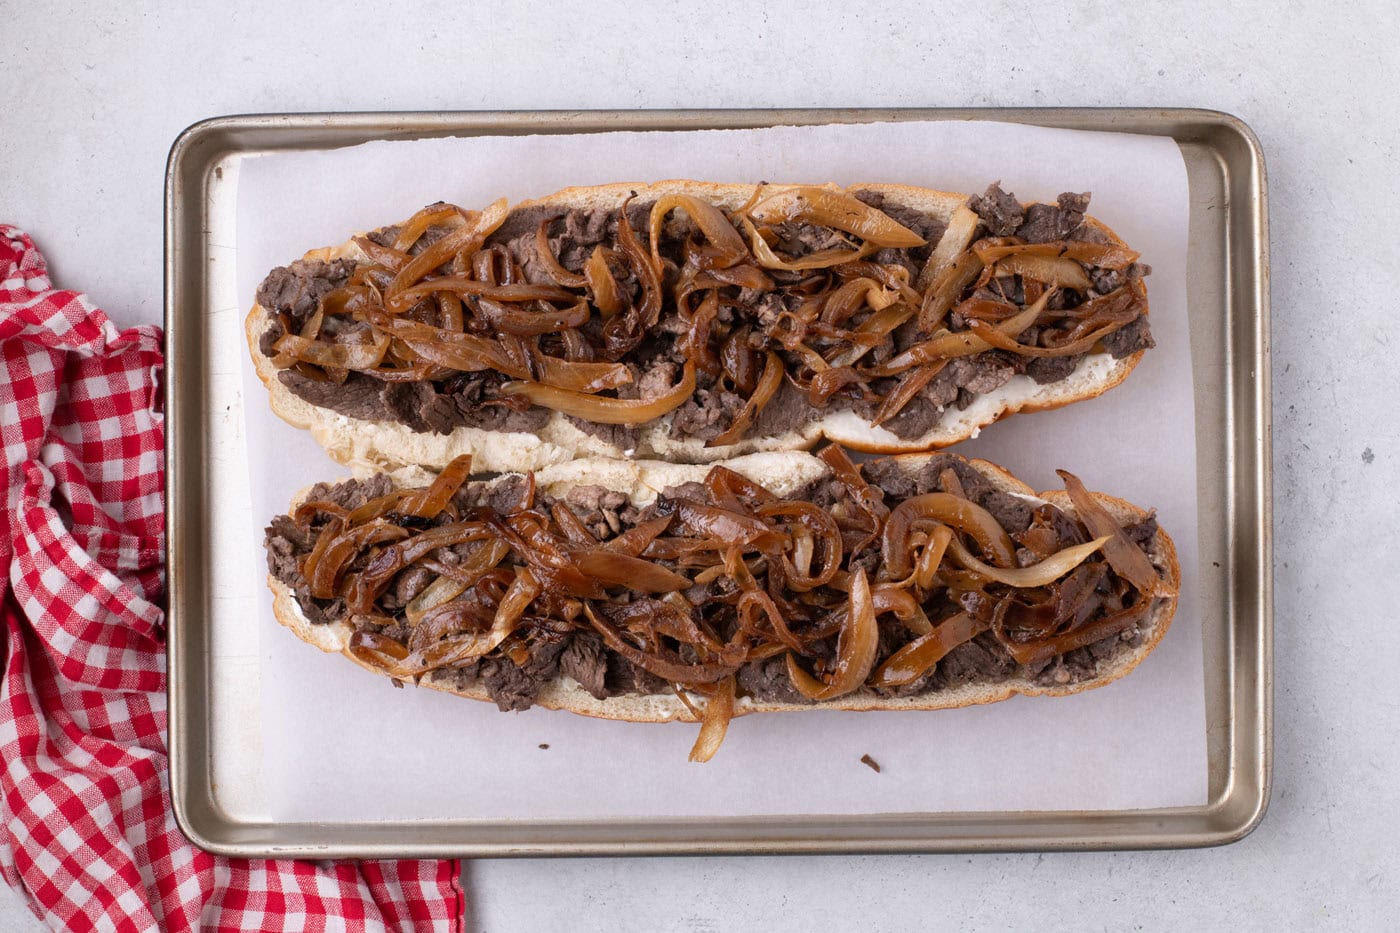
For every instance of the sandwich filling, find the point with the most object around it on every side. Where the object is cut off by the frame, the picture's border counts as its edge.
(874, 580)
(731, 325)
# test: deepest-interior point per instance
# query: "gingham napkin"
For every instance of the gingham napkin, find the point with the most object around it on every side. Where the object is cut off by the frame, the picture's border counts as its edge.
(88, 836)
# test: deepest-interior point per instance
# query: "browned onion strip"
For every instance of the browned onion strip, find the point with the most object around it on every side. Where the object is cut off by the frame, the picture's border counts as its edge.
(866, 498)
(894, 598)
(434, 215)
(957, 237)
(826, 207)
(371, 582)
(995, 338)
(821, 259)
(674, 670)
(744, 275)
(917, 658)
(726, 484)
(852, 296)
(614, 568)
(573, 527)
(768, 384)
(823, 526)
(904, 392)
(386, 256)
(310, 509)
(461, 285)
(949, 345)
(377, 651)
(532, 323)
(635, 540)
(433, 595)
(947, 289)
(1067, 272)
(871, 332)
(547, 258)
(719, 709)
(1041, 574)
(1035, 652)
(856, 649)
(332, 532)
(728, 246)
(733, 529)
(1103, 255)
(337, 355)
(648, 272)
(931, 556)
(962, 514)
(1125, 557)
(602, 284)
(341, 549)
(606, 410)
(754, 602)
(697, 340)
(401, 293)
(470, 353)
(428, 502)
(828, 382)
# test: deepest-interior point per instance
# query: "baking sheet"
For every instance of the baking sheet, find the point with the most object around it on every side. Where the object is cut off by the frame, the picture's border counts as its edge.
(334, 738)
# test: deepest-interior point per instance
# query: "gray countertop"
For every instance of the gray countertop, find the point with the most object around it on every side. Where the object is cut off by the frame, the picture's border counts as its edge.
(90, 104)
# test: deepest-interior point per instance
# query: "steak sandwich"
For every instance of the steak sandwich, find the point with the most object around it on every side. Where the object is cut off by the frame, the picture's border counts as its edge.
(693, 322)
(652, 591)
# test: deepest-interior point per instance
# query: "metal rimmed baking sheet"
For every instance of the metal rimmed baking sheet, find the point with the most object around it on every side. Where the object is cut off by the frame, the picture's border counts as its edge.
(1229, 334)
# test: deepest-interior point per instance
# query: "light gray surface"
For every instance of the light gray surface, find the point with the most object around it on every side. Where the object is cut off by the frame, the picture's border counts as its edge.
(88, 108)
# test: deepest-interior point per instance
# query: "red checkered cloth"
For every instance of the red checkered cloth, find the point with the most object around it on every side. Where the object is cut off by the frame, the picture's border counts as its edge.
(88, 834)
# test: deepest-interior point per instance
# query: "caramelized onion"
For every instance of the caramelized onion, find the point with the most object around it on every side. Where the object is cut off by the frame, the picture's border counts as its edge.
(338, 355)
(755, 602)
(951, 344)
(828, 382)
(428, 502)
(324, 573)
(768, 384)
(531, 323)
(719, 710)
(617, 569)
(823, 527)
(433, 595)
(1125, 557)
(602, 284)
(866, 497)
(1047, 571)
(606, 410)
(663, 666)
(956, 238)
(962, 514)
(1066, 272)
(648, 271)
(638, 538)
(727, 246)
(826, 207)
(856, 649)
(1103, 255)
(990, 335)
(909, 386)
(461, 285)
(466, 239)
(1035, 652)
(550, 262)
(821, 259)
(917, 658)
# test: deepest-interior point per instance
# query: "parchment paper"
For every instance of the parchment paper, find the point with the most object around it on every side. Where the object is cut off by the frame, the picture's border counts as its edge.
(339, 744)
